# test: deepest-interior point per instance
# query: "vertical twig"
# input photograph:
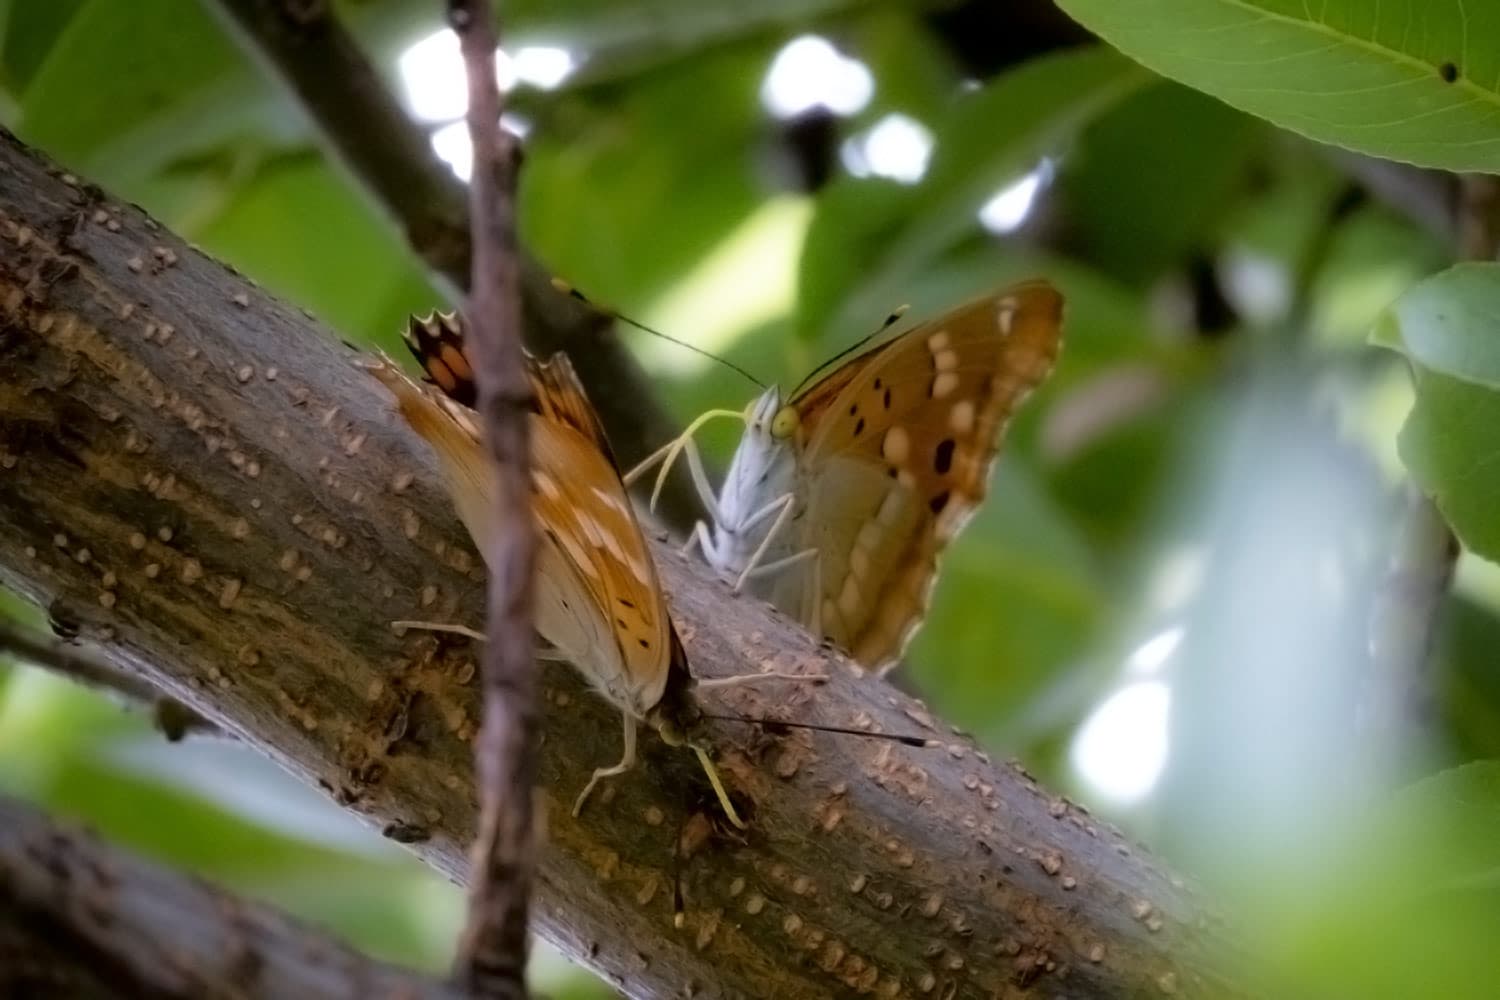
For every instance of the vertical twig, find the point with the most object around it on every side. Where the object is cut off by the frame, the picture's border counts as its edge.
(492, 954)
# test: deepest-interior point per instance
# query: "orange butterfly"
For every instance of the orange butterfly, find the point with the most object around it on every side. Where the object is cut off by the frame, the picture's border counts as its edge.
(598, 601)
(838, 502)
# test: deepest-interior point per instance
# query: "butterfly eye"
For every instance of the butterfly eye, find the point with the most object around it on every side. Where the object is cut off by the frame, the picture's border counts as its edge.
(784, 424)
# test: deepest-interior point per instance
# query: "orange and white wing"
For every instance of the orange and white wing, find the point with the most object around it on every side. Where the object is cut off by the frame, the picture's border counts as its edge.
(583, 509)
(899, 447)
(598, 598)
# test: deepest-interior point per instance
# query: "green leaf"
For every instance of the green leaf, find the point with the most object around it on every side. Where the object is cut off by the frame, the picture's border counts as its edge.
(621, 199)
(1450, 445)
(870, 236)
(111, 76)
(1450, 819)
(1413, 80)
(1128, 214)
(1446, 327)
(307, 235)
(1018, 600)
(1448, 323)
(29, 31)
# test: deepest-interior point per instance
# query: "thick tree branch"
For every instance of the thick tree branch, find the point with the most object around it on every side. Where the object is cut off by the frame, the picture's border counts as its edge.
(81, 919)
(492, 954)
(259, 515)
(173, 718)
(307, 48)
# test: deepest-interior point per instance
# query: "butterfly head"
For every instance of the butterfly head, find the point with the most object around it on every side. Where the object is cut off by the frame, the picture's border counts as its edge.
(765, 463)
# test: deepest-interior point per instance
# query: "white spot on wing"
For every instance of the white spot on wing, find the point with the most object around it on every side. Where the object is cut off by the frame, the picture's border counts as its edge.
(944, 384)
(961, 417)
(849, 596)
(897, 445)
(1005, 314)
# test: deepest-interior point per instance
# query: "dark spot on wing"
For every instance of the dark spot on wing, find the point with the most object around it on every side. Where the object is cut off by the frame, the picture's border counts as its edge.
(627, 603)
(887, 398)
(644, 643)
(942, 460)
(938, 502)
(859, 426)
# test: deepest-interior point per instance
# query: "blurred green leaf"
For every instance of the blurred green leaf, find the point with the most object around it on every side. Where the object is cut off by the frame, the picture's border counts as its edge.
(1468, 678)
(619, 28)
(1449, 820)
(1127, 211)
(870, 236)
(304, 233)
(1445, 326)
(613, 199)
(1413, 80)
(29, 31)
(113, 81)
(1019, 599)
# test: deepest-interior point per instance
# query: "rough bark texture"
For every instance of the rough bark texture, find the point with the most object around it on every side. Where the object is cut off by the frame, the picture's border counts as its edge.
(81, 919)
(200, 480)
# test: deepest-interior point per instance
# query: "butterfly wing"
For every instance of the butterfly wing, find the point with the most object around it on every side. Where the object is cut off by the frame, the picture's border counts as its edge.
(899, 446)
(581, 501)
(597, 599)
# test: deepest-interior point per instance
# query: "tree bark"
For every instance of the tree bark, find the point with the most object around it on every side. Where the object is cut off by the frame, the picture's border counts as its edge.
(200, 480)
(81, 919)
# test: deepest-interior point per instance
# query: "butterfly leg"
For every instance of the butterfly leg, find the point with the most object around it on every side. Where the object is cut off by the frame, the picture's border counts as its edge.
(701, 537)
(667, 454)
(463, 630)
(543, 649)
(724, 682)
(639, 469)
(782, 507)
(627, 761)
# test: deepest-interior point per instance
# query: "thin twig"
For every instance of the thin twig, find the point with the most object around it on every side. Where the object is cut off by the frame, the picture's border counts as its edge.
(173, 718)
(307, 48)
(492, 955)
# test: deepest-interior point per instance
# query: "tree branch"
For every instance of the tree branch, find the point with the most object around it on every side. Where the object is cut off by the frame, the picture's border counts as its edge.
(265, 515)
(174, 719)
(305, 47)
(492, 953)
(81, 919)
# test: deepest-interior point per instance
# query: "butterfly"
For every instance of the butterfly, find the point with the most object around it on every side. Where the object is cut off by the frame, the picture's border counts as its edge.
(598, 601)
(839, 500)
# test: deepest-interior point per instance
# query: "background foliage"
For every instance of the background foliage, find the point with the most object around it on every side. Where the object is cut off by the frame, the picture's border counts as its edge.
(1177, 603)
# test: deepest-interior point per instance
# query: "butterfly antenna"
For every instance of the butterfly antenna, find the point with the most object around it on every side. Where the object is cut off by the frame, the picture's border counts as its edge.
(680, 442)
(906, 741)
(567, 289)
(890, 321)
